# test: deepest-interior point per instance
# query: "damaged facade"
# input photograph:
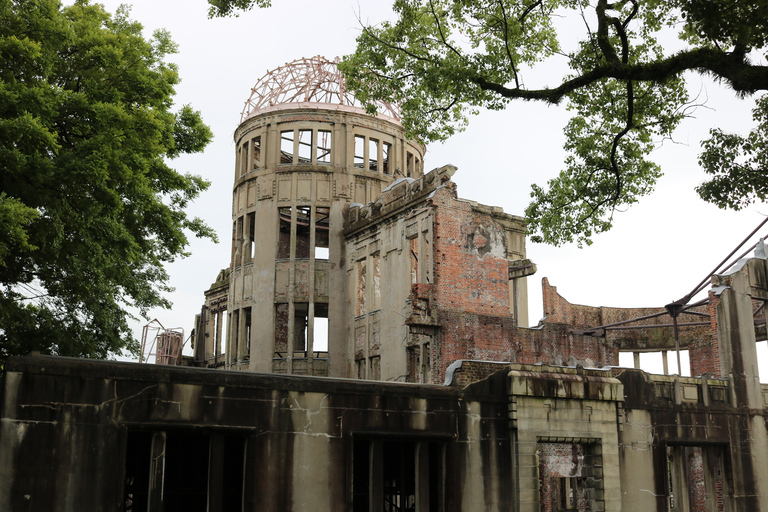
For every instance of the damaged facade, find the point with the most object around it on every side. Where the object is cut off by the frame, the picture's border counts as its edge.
(368, 349)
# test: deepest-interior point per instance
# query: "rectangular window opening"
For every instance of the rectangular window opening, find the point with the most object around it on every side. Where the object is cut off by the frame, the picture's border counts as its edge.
(232, 473)
(249, 244)
(221, 320)
(384, 475)
(320, 332)
(301, 310)
(247, 313)
(239, 244)
(568, 494)
(244, 159)
(323, 151)
(183, 470)
(302, 232)
(186, 472)
(305, 146)
(409, 165)
(257, 152)
(286, 147)
(359, 152)
(322, 226)
(281, 330)
(373, 155)
(235, 322)
(284, 235)
(137, 466)
(386, 149)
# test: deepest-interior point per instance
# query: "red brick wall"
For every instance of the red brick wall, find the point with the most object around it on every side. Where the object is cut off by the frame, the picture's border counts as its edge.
(475, 371)
(476, 337)
(704, 352)
(471, 269)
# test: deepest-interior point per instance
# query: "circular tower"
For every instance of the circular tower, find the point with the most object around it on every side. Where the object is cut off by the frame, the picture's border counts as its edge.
(305, 150)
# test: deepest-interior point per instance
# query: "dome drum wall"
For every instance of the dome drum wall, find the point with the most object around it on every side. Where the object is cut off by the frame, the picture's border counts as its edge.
(297, 169)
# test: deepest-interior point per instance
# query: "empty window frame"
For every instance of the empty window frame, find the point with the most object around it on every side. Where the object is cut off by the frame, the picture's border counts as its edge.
(386, 150)
(303, 242)
(178, 470)
(322, 227)
(310, 328)
(323, 148)
(244, 158)
(303, 214)
(301, 312)
(233, 349)
(284, 232)
(418, 363)
(238, 257)
(247, 333)
(286, 147)
(373, 155)
(249, 232)
(697, 477)
(320, 331)
(567, 474)
(256, 145)
(409, 165)
(305, 147)
(359, 158)
(384, 475)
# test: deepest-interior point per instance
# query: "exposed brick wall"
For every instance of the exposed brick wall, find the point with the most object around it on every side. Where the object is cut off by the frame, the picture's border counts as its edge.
(471, 269)
(475, 371)
(704, 352)
(470, 336)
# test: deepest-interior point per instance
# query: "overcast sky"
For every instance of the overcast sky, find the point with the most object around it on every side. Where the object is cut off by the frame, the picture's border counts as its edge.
(658, 251)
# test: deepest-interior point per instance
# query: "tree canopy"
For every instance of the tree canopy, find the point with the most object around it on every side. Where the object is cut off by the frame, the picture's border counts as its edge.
(90, 209)
(625, 89)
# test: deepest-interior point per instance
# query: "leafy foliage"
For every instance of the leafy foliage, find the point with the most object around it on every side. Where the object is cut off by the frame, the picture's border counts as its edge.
(445, 59)
(223, 8)
(738, 164)
(90, 210)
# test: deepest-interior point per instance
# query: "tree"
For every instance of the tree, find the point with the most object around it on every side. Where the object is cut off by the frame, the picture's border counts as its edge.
(444, 59)
(90, 210)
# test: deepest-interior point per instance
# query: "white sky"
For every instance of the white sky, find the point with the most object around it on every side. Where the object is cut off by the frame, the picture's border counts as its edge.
(656, 253)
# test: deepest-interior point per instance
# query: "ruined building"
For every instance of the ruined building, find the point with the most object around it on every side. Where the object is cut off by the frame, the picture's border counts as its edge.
(368, 349)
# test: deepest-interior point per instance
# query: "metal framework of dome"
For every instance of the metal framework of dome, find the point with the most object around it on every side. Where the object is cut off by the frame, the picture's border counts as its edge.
(306, 80)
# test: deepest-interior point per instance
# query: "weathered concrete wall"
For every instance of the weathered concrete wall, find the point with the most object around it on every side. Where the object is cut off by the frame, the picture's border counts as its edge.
(67, 426)
(666, 415)
(565, 406)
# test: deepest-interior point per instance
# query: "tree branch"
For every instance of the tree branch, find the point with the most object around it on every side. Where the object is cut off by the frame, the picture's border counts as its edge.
(741, 75)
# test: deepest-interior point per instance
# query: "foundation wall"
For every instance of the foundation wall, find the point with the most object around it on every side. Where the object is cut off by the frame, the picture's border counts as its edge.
(295, 440)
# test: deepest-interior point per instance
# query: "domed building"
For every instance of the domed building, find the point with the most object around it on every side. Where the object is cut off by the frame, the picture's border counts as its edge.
(298, 296)
(348, 260)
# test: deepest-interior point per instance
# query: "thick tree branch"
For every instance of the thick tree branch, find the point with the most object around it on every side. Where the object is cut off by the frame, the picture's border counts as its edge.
(741, 75)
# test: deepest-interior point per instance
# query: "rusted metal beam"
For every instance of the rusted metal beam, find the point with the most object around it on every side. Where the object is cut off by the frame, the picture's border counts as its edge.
(654, 326)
